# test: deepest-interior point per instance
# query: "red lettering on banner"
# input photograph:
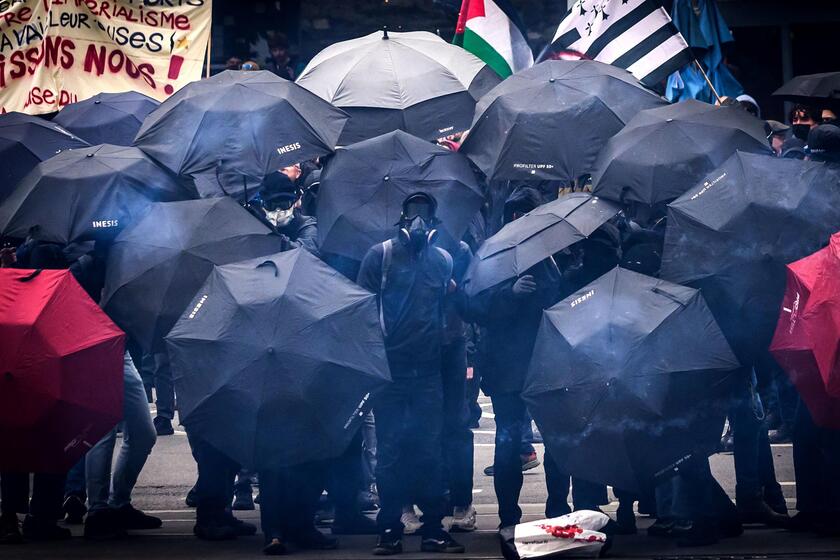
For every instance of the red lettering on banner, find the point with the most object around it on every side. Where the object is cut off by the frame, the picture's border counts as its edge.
(96, 60)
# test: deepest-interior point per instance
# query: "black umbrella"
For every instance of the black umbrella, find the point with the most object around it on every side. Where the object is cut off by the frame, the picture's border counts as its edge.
(276, 358)
(363, 187)
(89, 193)
(107, 118)
(550, 121)
(534, 237)
(237, 127)
(662, 153)
(811, 87)
(387, 81)
(627, 378)
(26, 141)
(732, 235)
(155, 267)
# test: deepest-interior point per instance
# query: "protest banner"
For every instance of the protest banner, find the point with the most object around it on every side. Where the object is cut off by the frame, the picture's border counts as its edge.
(56, 52)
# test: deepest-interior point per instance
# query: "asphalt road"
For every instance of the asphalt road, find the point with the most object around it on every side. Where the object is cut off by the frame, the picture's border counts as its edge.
(170, 472)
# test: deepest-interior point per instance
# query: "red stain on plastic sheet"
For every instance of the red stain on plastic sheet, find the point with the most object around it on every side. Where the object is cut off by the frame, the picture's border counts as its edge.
(174, 69)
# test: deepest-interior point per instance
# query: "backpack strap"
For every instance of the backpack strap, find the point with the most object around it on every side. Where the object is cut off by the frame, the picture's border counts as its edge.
(387, 252)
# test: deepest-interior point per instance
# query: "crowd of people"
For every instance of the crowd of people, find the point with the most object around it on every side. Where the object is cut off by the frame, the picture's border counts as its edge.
(416, 445)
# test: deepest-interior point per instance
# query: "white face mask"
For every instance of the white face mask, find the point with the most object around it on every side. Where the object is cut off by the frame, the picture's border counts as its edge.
(280, 218)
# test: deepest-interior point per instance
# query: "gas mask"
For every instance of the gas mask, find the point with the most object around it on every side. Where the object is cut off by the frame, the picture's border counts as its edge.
(801, 131)
(417, 234)
(280, 217)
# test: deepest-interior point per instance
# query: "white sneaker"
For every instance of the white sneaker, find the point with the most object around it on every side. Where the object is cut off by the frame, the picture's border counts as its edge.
(411, 524)
(463, 520)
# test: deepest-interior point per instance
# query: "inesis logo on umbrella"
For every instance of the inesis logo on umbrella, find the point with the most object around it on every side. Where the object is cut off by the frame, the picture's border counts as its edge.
(288, 148)
(197, 306)
(794, 311)
(708, 185)
(578, 300)
(104, 224)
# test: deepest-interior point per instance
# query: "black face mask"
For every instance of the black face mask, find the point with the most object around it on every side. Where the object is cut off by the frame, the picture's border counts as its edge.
(801, 131)
(416, 234)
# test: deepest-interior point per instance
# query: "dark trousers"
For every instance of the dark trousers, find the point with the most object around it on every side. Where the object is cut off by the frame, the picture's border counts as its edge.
(216, 474)
(472, 390)
(409, 420)
(457, 436)
(47, 495)
(164, 386)
(698, 497)
(816, 461)
(585, 494)
(289, 499)
(345, 478)
(75, 483)
(755, 473)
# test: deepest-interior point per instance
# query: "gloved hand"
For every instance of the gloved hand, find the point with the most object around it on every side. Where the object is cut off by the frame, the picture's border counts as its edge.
(525, 285)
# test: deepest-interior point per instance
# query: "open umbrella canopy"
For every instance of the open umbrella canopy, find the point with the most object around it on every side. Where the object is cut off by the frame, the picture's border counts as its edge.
(89, 193)
(363, 187)
(534, 237)
(276, 358)
(807, 339)
(550, 121)
(732, 235)
(26, 141)
(627, 378)
(237, 127)
(663, 152)
(811, 87)
(61, 387)
(107, 118)
(155, 267)
(386, 81)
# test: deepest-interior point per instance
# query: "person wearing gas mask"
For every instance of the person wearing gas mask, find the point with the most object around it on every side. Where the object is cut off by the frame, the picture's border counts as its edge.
(280, 201)
(411, 278)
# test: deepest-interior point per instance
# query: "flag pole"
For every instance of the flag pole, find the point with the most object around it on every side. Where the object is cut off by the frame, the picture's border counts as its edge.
(708, 81)
(207, 59)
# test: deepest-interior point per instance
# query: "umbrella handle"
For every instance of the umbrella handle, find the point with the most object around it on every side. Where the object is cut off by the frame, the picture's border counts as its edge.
(272, 263)
(31, 276)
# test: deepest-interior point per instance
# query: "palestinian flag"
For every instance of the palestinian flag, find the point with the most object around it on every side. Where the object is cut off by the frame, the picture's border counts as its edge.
(492, 30)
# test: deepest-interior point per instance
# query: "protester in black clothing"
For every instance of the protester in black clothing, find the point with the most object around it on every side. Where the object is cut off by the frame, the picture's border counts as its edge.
(280, 198)
(281, 61)
(411, 277)
(824, 144)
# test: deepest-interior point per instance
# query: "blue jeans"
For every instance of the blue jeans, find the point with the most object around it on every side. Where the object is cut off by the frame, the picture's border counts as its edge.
(409, 422)
(105, 490)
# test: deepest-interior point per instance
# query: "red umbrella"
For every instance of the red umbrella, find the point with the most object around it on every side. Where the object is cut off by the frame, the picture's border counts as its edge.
(61, 371)
(807, 339)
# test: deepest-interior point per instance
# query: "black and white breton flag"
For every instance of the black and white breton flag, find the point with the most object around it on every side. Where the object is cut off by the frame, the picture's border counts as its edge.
(637, 35)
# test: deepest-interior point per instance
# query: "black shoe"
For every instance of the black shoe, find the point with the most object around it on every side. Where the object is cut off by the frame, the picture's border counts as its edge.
(216, 530)
(274, 548)
(356, 524)
(132, 518)
(803, 521)
(313, 539)
(104, 524)
(74, 510)
(730, 529)
(163, 426)
(242, 528)
(441, 541)
(10, 530)
(243, 500)
(758, 512)
(192, 498)
(388, 544)
(661, 528)
(782, 435)
(702, 533)
(37, 530)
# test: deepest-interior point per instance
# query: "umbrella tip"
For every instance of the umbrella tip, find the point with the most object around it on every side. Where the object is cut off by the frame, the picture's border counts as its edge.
(385, 32)
(97, 102)
(551, 80)
(90, 154)
(669, 120)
